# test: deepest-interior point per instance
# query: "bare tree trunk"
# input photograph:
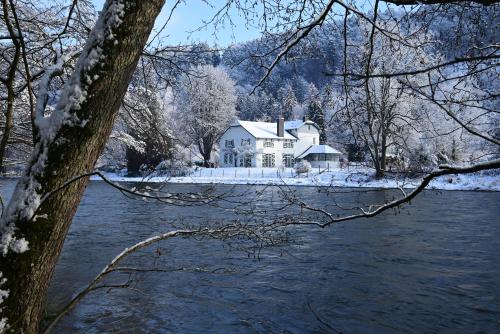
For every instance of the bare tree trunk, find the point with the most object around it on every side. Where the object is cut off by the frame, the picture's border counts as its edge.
(71, 140)
(9, 83)
(9, 117)
(205, 147)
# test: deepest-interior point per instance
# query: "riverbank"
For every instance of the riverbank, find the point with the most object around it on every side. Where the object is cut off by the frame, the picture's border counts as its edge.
(357, 177)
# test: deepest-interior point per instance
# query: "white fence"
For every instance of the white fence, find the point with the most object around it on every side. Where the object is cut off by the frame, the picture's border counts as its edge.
(252, 172)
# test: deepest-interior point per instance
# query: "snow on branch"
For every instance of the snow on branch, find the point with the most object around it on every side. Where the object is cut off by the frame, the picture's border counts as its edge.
(43, 88)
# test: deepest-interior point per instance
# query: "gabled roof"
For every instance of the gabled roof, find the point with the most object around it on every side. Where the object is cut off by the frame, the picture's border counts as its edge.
(262, 129)
(297, 123)
(318, 149)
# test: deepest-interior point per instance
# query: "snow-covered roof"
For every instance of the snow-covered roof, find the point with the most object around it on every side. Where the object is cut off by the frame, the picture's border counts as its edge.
(319, 149)
(262, 129)
(296, 123)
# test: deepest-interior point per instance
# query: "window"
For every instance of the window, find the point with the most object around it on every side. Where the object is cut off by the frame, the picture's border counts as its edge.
(245, 142)
(314, 140)
(288, 144)
(229, 143)
(288, 160)
(308, 128)
(268, 143)
(228, 159)
(268, 160)
(246, 161)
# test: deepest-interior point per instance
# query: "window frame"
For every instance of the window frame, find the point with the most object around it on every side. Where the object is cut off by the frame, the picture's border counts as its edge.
(284, 158)
(268, 143)
(268, 160)
(288, 143)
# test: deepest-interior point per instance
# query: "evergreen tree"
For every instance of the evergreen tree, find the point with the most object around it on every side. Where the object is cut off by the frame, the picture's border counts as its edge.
(315, 112)
(288, 101)
(327, 98)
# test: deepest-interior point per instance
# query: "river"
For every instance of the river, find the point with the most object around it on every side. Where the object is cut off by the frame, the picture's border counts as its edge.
(432, 268)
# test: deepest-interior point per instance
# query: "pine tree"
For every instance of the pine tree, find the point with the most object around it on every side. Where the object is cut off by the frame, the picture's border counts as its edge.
(287, 100)
(315, 112)
(327, 98)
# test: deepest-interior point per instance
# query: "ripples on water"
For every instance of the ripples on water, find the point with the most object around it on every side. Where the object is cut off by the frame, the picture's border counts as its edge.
(434, 268)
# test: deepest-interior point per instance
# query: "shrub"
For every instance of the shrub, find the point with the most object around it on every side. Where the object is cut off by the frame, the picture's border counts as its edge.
(302, 166)
(169, 168)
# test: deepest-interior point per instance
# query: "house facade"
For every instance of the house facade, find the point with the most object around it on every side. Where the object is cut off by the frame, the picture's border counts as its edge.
(266, 144)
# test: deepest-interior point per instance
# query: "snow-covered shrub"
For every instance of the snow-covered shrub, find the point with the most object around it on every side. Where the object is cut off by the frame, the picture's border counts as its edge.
(172, 168)
(302, 166)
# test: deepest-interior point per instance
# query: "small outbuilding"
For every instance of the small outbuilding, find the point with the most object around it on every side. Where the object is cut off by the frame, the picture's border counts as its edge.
(321, 156)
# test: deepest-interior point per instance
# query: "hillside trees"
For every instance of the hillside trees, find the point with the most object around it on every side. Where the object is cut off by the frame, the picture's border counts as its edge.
(206, 107)
(380, 110)
(288, 101)
(315, 111)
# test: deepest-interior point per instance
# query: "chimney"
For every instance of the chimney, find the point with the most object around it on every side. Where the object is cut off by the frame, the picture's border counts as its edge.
(304, 118)
(281, 127)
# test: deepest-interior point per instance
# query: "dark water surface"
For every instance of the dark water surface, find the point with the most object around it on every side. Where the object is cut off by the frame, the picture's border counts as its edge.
(434, 268)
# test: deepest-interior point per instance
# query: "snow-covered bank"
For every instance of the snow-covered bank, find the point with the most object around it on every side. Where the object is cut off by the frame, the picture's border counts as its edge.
(360, 177)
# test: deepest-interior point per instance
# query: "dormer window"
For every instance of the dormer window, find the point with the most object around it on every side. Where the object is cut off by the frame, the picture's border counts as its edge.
(288, 144)
(308, 127)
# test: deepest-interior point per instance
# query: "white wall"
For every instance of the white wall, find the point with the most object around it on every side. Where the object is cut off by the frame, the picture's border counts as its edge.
(308, 135)
(277, 149)
(325, 164)
(237, 133)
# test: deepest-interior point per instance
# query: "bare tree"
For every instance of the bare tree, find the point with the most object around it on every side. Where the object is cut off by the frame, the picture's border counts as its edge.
(36, 37)
(206, 106)
(70, 141)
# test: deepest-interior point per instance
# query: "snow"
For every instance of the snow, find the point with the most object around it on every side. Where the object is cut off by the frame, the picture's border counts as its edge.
(20, 246)
(354, 177)
(294, 124)
(3, 325)
(263, 130)
(3, 295)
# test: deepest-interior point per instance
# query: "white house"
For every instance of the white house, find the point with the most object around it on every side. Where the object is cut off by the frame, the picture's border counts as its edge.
(280, 144)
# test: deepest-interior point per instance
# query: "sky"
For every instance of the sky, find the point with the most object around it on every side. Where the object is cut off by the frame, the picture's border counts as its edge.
(186, 23)
(189, 17)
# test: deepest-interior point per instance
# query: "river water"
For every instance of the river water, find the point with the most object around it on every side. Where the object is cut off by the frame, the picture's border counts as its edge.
(432, 268)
